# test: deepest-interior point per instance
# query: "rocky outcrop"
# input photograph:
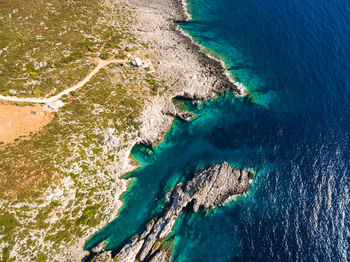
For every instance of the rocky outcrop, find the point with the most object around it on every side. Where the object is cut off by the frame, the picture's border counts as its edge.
(99, 254)
(186, 116)
(161, 256)
(209, 188)
(179, 62)
(187, 69)
(104, 257)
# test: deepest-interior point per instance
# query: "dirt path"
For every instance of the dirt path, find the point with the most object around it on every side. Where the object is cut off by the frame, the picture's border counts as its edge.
(21, 122)
(100, 64)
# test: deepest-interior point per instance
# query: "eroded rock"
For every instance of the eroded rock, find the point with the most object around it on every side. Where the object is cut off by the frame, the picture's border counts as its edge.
(209, 188)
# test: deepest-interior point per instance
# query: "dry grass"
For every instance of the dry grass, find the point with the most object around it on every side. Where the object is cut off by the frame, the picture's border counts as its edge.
(46, 44)
(74, 152)
(18, 185)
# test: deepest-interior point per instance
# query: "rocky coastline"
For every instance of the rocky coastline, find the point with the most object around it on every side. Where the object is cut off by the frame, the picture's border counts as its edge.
(186, 67)
(209, 188)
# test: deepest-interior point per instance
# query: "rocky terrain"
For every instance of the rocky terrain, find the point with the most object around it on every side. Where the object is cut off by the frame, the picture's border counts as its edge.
(209, 188)
(188, 70)
(185, 67)
(64, 183)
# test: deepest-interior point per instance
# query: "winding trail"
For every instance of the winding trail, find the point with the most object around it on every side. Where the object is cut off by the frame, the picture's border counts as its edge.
(100, 64)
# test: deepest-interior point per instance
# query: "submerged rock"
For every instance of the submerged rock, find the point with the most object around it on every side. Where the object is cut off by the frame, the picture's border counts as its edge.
(209, 188)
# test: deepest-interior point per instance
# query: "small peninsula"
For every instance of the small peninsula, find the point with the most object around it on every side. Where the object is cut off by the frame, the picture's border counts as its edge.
(209, 188)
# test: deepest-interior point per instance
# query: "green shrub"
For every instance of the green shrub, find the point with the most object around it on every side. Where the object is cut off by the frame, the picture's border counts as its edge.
(112, 45)
(151, 81)
(6, 254)
(104, 55)
(8, 223)
(73, 93)
(88, 216)
(37, 93)
(155, 86)
(41, 257)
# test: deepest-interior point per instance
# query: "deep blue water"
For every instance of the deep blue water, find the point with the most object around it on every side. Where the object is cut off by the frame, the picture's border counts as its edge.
(294, 56)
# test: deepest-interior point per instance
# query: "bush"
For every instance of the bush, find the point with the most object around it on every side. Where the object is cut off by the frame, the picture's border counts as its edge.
(8, 222)
(88, 216)
(104, 55)
(112, 45)
(37, 93)
(72, 57)
(73, 93)
(151, 81)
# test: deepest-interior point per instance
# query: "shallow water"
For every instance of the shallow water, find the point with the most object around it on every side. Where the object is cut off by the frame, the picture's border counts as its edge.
(293, 130)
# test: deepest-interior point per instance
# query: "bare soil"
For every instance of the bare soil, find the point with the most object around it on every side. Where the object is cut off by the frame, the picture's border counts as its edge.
(21, 121)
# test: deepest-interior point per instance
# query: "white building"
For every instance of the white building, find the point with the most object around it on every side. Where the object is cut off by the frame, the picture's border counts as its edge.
(137, 62)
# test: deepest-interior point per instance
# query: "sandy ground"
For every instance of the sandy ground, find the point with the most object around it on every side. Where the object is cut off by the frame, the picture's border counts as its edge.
(18, 121)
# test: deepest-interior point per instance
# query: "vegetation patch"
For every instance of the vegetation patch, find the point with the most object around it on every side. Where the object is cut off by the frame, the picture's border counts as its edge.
(60, 184)
(54, 40)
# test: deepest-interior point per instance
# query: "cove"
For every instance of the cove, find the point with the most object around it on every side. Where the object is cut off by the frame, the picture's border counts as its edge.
(163, 167)
(293, 130)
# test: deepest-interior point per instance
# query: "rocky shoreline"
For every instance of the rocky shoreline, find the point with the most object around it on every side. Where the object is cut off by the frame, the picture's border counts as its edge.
(209, 188)
(191, 72)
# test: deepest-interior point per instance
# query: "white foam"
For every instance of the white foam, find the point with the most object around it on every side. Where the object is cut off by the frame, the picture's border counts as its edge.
(185, 7)
(242, 89)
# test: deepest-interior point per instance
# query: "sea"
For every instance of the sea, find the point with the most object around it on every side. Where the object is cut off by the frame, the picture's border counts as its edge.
(292, 130)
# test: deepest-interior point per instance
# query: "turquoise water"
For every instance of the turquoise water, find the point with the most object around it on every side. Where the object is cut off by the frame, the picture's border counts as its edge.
(163, 167)
(294, 132)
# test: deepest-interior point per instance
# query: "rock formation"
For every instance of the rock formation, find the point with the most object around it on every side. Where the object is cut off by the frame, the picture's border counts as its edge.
(186, 116)
(187, 69)
(209, 188)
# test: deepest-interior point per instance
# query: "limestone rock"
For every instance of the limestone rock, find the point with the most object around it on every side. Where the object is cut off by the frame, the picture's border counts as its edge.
(209, 188)
(160, 256)
(130, 251)
(104, 257)
(100, 247)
